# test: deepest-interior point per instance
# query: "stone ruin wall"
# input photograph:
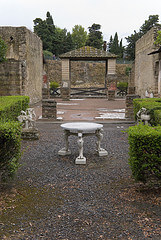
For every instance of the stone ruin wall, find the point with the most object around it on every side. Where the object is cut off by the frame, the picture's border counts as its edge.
(24, 63)
(146, 73)
(85, 73)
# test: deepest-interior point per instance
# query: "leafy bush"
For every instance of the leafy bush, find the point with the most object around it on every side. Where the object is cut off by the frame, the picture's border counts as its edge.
(145, 152)
(54, 85)
(10, 143)
(122, 85)
(11, 106)
(153, 105)
(10, 133)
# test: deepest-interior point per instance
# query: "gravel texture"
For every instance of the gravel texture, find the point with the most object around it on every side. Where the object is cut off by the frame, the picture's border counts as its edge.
(52, 198)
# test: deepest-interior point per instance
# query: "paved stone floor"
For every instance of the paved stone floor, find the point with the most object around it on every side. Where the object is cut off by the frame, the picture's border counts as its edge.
(89, 109)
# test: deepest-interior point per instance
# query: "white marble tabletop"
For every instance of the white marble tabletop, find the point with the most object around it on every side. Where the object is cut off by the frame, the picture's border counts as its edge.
(81, 126)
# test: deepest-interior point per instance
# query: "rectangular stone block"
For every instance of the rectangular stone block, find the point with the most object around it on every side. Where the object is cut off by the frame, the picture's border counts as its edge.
(49, 109)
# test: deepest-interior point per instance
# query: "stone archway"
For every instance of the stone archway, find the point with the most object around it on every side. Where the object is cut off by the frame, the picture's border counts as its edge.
(86, 54)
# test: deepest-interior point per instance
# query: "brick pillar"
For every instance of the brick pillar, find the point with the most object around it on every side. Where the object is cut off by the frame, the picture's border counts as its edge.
(65, 89)
(129, 111)
(49, 109)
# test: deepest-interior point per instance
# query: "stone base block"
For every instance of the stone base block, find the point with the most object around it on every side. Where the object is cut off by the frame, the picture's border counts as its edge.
(80, 160)
(102, 152)
(63, 152)
(30, 134)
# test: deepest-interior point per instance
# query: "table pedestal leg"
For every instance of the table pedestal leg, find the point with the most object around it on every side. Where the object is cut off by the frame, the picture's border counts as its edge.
(80, 159)
(101, 151)
(65, 151)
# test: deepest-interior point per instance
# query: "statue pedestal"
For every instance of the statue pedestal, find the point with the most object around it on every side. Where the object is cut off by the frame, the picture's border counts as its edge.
(30, 134)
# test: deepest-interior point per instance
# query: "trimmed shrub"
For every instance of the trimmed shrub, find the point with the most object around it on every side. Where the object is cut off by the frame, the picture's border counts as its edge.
(153, 105)
(10, 143)
(10, 133)
(145, 152)
(11, 106)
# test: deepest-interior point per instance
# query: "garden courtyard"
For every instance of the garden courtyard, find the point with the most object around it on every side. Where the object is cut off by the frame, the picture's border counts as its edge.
(53, 198)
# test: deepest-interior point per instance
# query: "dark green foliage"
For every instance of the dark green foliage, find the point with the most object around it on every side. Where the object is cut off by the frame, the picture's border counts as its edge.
(131, 40)
(153, 105)
(145, 152)
(115, 46)
(95, 38)
(148, 24)
(10, 143)
(11, 106)
(3, 50)
(10, 133)
(55, 40)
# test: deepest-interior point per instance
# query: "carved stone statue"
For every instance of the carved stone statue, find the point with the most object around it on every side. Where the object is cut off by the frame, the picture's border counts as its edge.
(143, 116)
(27, 118)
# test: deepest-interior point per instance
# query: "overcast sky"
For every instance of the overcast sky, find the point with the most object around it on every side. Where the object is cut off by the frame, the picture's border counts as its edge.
(121, 16)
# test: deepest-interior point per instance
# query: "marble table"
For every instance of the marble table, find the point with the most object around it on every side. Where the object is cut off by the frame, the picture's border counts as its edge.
(82, 129)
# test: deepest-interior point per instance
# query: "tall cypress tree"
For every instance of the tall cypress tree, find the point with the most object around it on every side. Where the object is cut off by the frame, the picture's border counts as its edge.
(115, 46)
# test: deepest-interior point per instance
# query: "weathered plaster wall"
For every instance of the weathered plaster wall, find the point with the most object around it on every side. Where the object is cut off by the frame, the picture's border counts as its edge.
(26, 47)
(146, 73)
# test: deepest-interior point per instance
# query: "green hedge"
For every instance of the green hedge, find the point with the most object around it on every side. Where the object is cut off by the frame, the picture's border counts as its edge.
(10, 133)
(11, 106)
(145, 152)
(154, 108)
(10, 143)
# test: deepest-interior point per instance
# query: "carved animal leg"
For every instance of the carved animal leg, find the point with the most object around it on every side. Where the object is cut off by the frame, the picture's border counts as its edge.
(80, 159)
(65, 151)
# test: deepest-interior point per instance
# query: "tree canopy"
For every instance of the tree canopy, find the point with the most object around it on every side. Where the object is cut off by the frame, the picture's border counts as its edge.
(95, 38)
(79, 36)
(55, 40)
(3, 50)
(115, 46)
(131, 40)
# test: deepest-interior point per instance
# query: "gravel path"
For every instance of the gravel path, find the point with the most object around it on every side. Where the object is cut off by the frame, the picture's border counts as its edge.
(52, 198)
